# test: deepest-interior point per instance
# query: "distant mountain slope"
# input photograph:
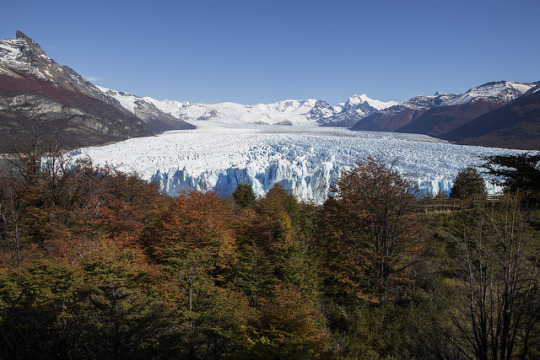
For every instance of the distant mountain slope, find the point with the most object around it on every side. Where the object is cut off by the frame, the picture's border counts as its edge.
(461, 109)
(21, 58)
(29, 105)
(39, 96)
(515, 125)
(441, 115)
(402, 114)
(152, 117)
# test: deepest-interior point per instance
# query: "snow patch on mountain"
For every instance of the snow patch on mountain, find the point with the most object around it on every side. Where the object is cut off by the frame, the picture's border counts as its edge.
(305, 160)
(145, 110)
(15, 54)
(128, 101)
(500, 92)
(10, 51)
(355, 109)
(423, 102)
(178, 109)
(23, 55)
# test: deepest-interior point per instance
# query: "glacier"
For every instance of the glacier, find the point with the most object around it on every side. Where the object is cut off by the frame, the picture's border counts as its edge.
(305, 160)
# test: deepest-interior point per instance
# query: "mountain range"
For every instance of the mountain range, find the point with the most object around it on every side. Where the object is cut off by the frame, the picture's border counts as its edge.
(310, 112)
(39, 95)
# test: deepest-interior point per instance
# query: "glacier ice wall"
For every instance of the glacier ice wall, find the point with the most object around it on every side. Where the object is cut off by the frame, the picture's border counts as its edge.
(299, 180)
(304, 160)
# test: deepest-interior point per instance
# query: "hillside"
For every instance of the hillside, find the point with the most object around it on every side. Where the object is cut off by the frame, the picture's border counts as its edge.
(515, 125)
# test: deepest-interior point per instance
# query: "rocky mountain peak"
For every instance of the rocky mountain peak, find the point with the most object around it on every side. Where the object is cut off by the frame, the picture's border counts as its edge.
(23, 53)
(426, 102)
(20, 35)
(320, 112)
(21, 57)
(30, 51)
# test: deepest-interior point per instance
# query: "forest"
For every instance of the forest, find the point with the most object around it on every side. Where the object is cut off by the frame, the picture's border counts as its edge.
(98, 264)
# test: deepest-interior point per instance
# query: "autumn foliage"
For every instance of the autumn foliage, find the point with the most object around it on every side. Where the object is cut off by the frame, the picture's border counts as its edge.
(96, 263)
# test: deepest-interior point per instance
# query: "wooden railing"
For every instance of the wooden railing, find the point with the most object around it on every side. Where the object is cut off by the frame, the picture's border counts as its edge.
(447, 204)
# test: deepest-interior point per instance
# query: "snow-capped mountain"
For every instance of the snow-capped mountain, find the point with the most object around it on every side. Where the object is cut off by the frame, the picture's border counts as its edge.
(21, 57)
(321, 112)
(441, 114)
(38, 95)
(423, 102)
(286, 112)
(304, 160)
(394, 117)
(451, 114)
(356, 108)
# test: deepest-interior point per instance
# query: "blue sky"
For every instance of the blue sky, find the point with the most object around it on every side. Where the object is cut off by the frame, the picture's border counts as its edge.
(252, 51)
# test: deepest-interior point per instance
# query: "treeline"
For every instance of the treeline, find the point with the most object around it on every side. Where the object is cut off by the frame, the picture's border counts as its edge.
(98, 264)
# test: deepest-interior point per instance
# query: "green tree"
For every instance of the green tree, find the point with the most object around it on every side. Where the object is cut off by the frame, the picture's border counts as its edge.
(468, 182)
(244, 196)
(125, 315)
(40, 311)
(274, 246)
(289, 327)
(515, 172)
(254, 273)
(369, 242)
